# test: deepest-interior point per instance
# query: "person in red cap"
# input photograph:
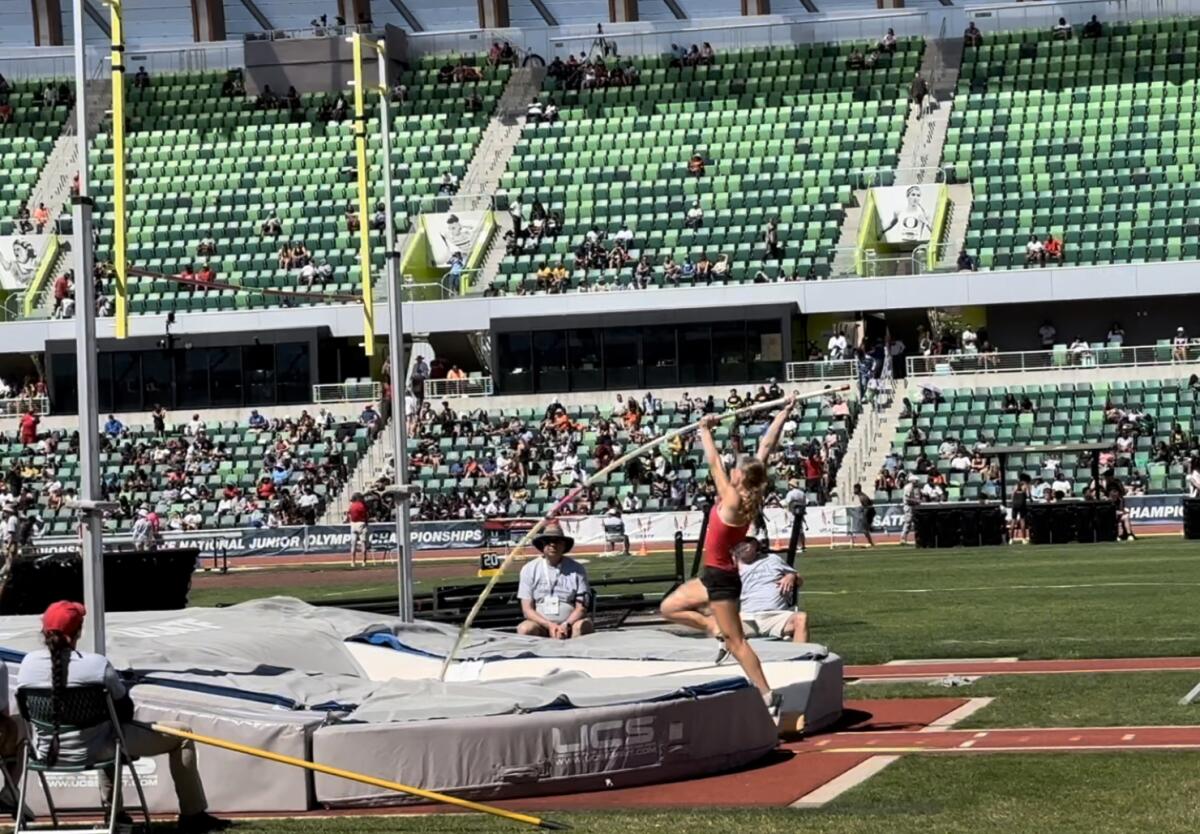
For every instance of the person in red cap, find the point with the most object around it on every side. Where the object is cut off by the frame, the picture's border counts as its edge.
(61, 665)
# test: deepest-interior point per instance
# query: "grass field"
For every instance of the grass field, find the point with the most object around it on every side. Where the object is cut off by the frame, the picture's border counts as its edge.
(871, 606)
(1126, 600)
(1091, 794)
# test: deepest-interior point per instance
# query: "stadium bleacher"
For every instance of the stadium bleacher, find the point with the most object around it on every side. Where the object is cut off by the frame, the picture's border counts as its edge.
(783, 131)
(1063, 413)
(26, 139)
(202, 164)
(438, 445)
(1091, 139)
(227, 454)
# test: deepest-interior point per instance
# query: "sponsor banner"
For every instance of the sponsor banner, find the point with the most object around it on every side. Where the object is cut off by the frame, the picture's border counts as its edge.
(659, 529)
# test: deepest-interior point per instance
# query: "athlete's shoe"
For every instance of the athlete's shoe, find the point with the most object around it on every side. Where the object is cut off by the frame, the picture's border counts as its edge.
(722, 652)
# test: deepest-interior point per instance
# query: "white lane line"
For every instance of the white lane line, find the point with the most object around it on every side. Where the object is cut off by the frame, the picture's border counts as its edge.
(966, 744)
(940, 725)
(837, 786)
(1128, 737)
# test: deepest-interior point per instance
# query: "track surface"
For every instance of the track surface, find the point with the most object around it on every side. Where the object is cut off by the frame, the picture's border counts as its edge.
(943, 668)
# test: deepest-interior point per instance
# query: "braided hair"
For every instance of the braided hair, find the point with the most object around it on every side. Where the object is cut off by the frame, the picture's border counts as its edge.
(59, 646)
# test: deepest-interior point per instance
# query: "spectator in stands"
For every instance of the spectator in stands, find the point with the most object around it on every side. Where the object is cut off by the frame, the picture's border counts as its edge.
(271, 227)
(918, 91)
(772, 250)
(1081, 351)
(340, 109)
(62, 290)
(888, 42)
(695, 166)
(553, 589)
(6, 111)
(1116, 334)
(695, 216)
(267, 100)
(1035, 251)
(965, 262)
(5, 87)
(1047, 333)
(369, 417)
(141, 80)
(837, 347)
(352, 223)
(972, 36)
(206, 275)
(257, 422)
(1093, 28)
(1179, 345)
(206, 248)
(707, 56)
(232, 86)
(41, 218)
(1052, 249)
(29, 427)
(113, 427)
(1061, 486)
(1061, 31)
(448, 184)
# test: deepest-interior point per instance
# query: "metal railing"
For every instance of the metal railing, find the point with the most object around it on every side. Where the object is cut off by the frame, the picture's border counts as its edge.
(347, 392)
(876, 177)
(1061, 358)
(16, 406)
(317, 31)
(474, 387)
(832, 370)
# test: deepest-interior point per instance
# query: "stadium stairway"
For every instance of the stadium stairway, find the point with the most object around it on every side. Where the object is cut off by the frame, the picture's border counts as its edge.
(956, 233)
(868, 443)
(53, 186)
(921, 152)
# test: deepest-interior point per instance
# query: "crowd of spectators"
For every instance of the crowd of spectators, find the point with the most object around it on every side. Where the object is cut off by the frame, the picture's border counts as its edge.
(551, 452)
(580, 73)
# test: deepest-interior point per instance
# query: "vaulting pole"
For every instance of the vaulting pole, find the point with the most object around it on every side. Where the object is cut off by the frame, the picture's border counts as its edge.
(571, 496)
(361, 778)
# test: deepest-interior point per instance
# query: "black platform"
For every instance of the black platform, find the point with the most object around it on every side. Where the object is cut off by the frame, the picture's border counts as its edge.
(1072, 521)
(1191, 518)
(959, 525)
(134, 580)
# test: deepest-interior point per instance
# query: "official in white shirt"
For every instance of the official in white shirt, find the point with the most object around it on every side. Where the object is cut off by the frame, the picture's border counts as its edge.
(770, 602)
(553, 590)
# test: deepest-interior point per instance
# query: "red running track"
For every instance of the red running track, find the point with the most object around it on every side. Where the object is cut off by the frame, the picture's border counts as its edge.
(942, 668)
(1066, 739)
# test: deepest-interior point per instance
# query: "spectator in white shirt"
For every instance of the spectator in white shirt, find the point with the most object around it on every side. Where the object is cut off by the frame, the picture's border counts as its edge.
(961, 462)
(631, 503)
(948, 448)
(1035, 252)
(1061, 30)
(1061, 484)
(624, 237)
(1081, 351)
(837, 346)
(1179, 345)
(969, 340)
(1116, 334)
(695, 216)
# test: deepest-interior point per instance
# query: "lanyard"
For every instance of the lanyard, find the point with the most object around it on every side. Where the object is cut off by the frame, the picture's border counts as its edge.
(544, 571)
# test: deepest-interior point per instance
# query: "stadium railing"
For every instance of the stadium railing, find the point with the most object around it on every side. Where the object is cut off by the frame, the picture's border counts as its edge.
(480, 386)
(1061, 358)
(347, 392)
(16, 406)
(832, 370)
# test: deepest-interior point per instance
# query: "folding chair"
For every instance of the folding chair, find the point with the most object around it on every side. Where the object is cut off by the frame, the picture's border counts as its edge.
(82, 708)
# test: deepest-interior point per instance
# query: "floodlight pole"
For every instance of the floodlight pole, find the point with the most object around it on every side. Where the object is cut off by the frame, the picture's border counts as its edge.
(91, 545)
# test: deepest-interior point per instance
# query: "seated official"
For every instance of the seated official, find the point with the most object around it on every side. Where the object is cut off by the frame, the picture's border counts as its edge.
(61, 665)
(553, 590)
(770, 601)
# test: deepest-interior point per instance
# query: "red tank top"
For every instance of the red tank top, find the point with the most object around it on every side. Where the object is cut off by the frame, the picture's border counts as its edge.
(719, 541)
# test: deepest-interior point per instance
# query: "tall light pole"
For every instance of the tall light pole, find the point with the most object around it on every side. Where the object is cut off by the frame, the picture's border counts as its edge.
(395, 295)
(91, 543)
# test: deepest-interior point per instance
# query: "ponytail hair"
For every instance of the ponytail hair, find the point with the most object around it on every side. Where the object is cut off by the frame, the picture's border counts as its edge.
(751, 488)
(59, 646)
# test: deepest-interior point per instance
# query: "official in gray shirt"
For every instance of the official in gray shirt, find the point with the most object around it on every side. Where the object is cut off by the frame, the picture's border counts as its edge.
(553, 590)
(61, 665)
(770, 603)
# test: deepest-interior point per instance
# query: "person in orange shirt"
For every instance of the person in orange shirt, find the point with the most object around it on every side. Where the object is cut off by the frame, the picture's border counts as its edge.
(455, 373)
(41, 217)
(1053, 249)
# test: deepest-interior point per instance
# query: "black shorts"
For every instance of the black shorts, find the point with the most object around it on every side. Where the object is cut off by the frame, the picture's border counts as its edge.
(722, 585)
(1019, 513)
